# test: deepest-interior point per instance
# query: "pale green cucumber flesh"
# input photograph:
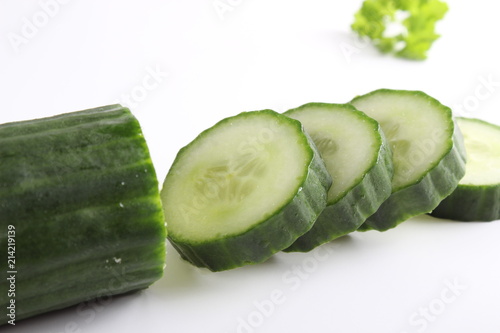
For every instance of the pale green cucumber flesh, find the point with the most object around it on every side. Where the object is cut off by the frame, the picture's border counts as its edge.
(359, 161)
(81, 192)
(243, 190)
(428, 153)
(477, 197)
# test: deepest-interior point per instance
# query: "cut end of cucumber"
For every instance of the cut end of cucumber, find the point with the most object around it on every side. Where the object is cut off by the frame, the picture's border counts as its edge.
(348, 151)
(482, 144)
(428, 154)
(417, 126)
(228, 180)
(236, 177)
(359, 161)
(477, 197)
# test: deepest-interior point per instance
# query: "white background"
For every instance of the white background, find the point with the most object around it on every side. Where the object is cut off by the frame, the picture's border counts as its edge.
(426, 275)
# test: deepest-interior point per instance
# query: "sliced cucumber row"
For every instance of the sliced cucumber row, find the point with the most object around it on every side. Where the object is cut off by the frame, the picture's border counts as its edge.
(243, 190)
(359, 161)
(262, 182)
(428, 153)
(477, 197)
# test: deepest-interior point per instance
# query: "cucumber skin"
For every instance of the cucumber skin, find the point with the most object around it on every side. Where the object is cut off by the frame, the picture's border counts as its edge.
(349, 212)
(63, 182)
(471, 203)
(272, 235)
(429, 191)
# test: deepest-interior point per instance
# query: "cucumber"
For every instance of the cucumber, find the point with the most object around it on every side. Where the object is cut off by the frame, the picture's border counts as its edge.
(80, 207)
(428, 153)
(359, 161)
(477, 197)
(243, 190)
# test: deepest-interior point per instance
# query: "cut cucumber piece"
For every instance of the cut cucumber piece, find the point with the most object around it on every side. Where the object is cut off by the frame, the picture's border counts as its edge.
(80, 195)
(428, 152)
(477, 197)
(243, 190)
(359, 161)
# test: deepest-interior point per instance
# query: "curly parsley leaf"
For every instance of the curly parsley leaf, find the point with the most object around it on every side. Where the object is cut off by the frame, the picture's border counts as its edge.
(405, 28)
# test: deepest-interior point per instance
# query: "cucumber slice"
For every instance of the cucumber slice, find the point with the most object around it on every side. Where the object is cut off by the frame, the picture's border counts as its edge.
(80, 193)
(477, 197)
(428, 152)
(243, 190)
(359, 161)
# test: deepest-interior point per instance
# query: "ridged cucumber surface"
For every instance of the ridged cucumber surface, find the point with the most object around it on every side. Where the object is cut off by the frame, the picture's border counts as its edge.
(80, 195)
(243, 190)
(428, 152)
(358, 159)
(477, 197)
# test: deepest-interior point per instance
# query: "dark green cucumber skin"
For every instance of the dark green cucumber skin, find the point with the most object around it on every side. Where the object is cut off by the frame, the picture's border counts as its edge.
(471, 203)
(347, 213)
(270, 236)
(81, 191)
(428, 192)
